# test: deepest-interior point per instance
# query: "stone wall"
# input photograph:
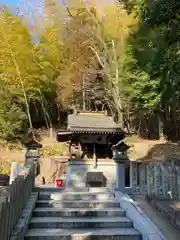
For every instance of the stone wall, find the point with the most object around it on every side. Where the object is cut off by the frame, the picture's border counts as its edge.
(51, 168)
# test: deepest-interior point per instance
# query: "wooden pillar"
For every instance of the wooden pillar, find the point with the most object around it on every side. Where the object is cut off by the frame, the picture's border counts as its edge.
(85, 151)
(94, 156)
(79, 147)
(70, 154)
(106, 147)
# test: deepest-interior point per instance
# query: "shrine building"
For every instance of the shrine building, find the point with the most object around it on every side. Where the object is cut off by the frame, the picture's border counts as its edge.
(91, 137)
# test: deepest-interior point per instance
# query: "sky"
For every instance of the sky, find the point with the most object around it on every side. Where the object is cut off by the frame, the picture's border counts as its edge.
(9, 1)
(32, 1)
(14, 2)
(20, 2)
(33, 8)
(27, 7)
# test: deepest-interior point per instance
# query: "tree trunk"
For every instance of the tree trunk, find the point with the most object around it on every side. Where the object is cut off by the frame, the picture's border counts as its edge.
(160, 128)
(51, 132)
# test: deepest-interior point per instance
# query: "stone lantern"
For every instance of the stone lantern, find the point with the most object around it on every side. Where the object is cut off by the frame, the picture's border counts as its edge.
(121, 160)
(32, 151)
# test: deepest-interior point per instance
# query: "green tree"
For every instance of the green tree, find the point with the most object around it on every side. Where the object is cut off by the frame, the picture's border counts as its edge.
(13, 120)
(16, 59)
(156, 50)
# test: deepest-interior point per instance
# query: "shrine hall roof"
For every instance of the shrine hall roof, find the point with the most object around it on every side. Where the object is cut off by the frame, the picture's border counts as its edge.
(92, 122)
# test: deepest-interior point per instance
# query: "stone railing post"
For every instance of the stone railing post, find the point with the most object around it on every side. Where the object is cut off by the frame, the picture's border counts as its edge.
(178, 180)
(121, 161)
(149, 180)
(142, 177)
(16, 168)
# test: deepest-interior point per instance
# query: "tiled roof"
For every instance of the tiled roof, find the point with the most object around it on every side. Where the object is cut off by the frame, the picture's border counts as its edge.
(92, 122)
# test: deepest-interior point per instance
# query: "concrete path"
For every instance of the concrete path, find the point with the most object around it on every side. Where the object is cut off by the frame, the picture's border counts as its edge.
(158, 218)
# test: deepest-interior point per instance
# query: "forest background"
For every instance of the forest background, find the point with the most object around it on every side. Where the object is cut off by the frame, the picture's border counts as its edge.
(74, 55)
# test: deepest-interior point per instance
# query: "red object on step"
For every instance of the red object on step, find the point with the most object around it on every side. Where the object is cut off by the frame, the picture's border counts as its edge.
(59, 183)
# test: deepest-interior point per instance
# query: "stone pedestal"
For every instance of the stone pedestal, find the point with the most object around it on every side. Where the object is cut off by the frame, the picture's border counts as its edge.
(31, 157)
(121, 161)
(77, 173)
(120, 174)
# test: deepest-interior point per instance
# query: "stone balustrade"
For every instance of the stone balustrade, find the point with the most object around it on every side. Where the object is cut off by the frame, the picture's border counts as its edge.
(157, 179)
(13, 199)
(149, 179)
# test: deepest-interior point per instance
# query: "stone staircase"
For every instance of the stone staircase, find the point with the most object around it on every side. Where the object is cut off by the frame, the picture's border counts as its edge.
(80, 216)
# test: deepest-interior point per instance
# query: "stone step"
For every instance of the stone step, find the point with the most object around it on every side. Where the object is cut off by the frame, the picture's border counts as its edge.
(83, 234)
(76, 196)
(94, 189)
(80, 222)
(52, 189)
(78, 204)
(77, 212)
(87, 189)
